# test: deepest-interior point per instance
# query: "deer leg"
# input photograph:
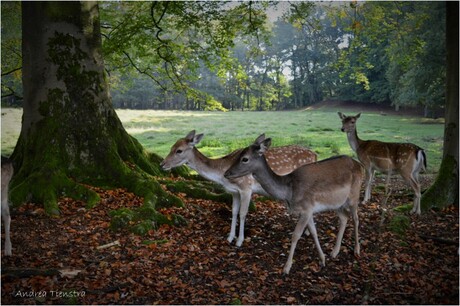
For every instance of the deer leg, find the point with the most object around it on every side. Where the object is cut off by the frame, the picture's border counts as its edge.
(387, 193)
(412, 180)
(235, 210)
(369, 178)
(343, 216)
(245, 198)
(311, 228)
(354, 213)
(7, 220)
(387, 183)
(301, 224)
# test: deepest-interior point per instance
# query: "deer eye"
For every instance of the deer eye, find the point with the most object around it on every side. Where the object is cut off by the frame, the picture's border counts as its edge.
(179, 151)
(244, 160)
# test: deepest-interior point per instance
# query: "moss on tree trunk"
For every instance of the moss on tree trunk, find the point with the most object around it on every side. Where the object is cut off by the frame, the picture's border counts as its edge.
(444, 191)
(198, 189)
(70, 132)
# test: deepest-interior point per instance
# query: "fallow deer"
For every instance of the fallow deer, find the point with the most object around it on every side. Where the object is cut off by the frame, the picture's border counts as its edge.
(331, 184)
(406, 159)
(282, 160)
(7, 174)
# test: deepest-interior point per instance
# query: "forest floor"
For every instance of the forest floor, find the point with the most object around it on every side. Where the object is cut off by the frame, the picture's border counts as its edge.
(404, 259)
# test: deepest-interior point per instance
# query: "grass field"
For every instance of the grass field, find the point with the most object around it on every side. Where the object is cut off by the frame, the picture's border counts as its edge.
(224, 132)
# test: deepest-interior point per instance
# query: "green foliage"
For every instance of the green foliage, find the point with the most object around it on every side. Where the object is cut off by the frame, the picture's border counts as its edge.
(399, 224)
(142, 219)
(395, 54)
(170, 41)
(212, 55)
(369, 52)
(121, 218)
(403, 208)
(11, 60)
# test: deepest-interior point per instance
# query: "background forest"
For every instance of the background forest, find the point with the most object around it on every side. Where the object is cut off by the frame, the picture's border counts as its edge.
(113, 228)
(206, 56)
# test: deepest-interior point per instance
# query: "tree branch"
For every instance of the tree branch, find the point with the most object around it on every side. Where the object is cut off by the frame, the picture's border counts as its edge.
(164, 44)
(12, 92)
(11, 71)
(438, 239)
(144, 71)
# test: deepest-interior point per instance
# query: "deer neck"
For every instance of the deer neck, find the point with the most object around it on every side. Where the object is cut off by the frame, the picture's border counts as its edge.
(354, 140)
(211, 169)
(277, 186)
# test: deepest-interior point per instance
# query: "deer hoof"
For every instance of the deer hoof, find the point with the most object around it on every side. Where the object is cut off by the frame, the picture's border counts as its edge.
(334, 253)
(286, 270)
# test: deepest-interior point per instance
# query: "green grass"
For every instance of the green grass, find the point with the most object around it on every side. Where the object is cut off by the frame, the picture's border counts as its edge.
(224, 132)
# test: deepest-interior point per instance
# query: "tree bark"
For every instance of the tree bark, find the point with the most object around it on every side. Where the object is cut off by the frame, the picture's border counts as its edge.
(70, 132)
(444, 191)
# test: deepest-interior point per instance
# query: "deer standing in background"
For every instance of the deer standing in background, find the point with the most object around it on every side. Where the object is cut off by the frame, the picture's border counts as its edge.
(7, 174)
(405, 158)
(282, 160)
(331, 184)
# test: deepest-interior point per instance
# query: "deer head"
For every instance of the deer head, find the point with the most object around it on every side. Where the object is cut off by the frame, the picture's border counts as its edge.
(250, 158)
(348, 122)
(181, 151)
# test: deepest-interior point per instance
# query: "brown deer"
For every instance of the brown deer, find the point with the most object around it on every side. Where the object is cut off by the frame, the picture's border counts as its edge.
(282, 160)
(406, 159)
(331, 184)
(7, 174)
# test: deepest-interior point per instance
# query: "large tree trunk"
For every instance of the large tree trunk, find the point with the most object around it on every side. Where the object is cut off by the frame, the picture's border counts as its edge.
(445, 189)
(70, 132)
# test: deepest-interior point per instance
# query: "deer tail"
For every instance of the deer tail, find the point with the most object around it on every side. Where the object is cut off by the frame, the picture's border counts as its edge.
(421, 158)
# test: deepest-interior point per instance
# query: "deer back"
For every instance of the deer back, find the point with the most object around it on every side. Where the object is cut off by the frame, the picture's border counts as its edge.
(387, 156)
(284, 160)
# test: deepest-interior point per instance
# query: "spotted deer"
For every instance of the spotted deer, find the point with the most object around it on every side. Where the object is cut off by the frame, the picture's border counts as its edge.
(406, 159)
(330, 184)
(282, 160)
(7, 174)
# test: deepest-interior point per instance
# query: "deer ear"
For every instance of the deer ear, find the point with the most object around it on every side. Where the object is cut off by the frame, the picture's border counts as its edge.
(196, 139)
(264, 145)
(260, 139)
(342, 116)
(358, 115)
(190, 135)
